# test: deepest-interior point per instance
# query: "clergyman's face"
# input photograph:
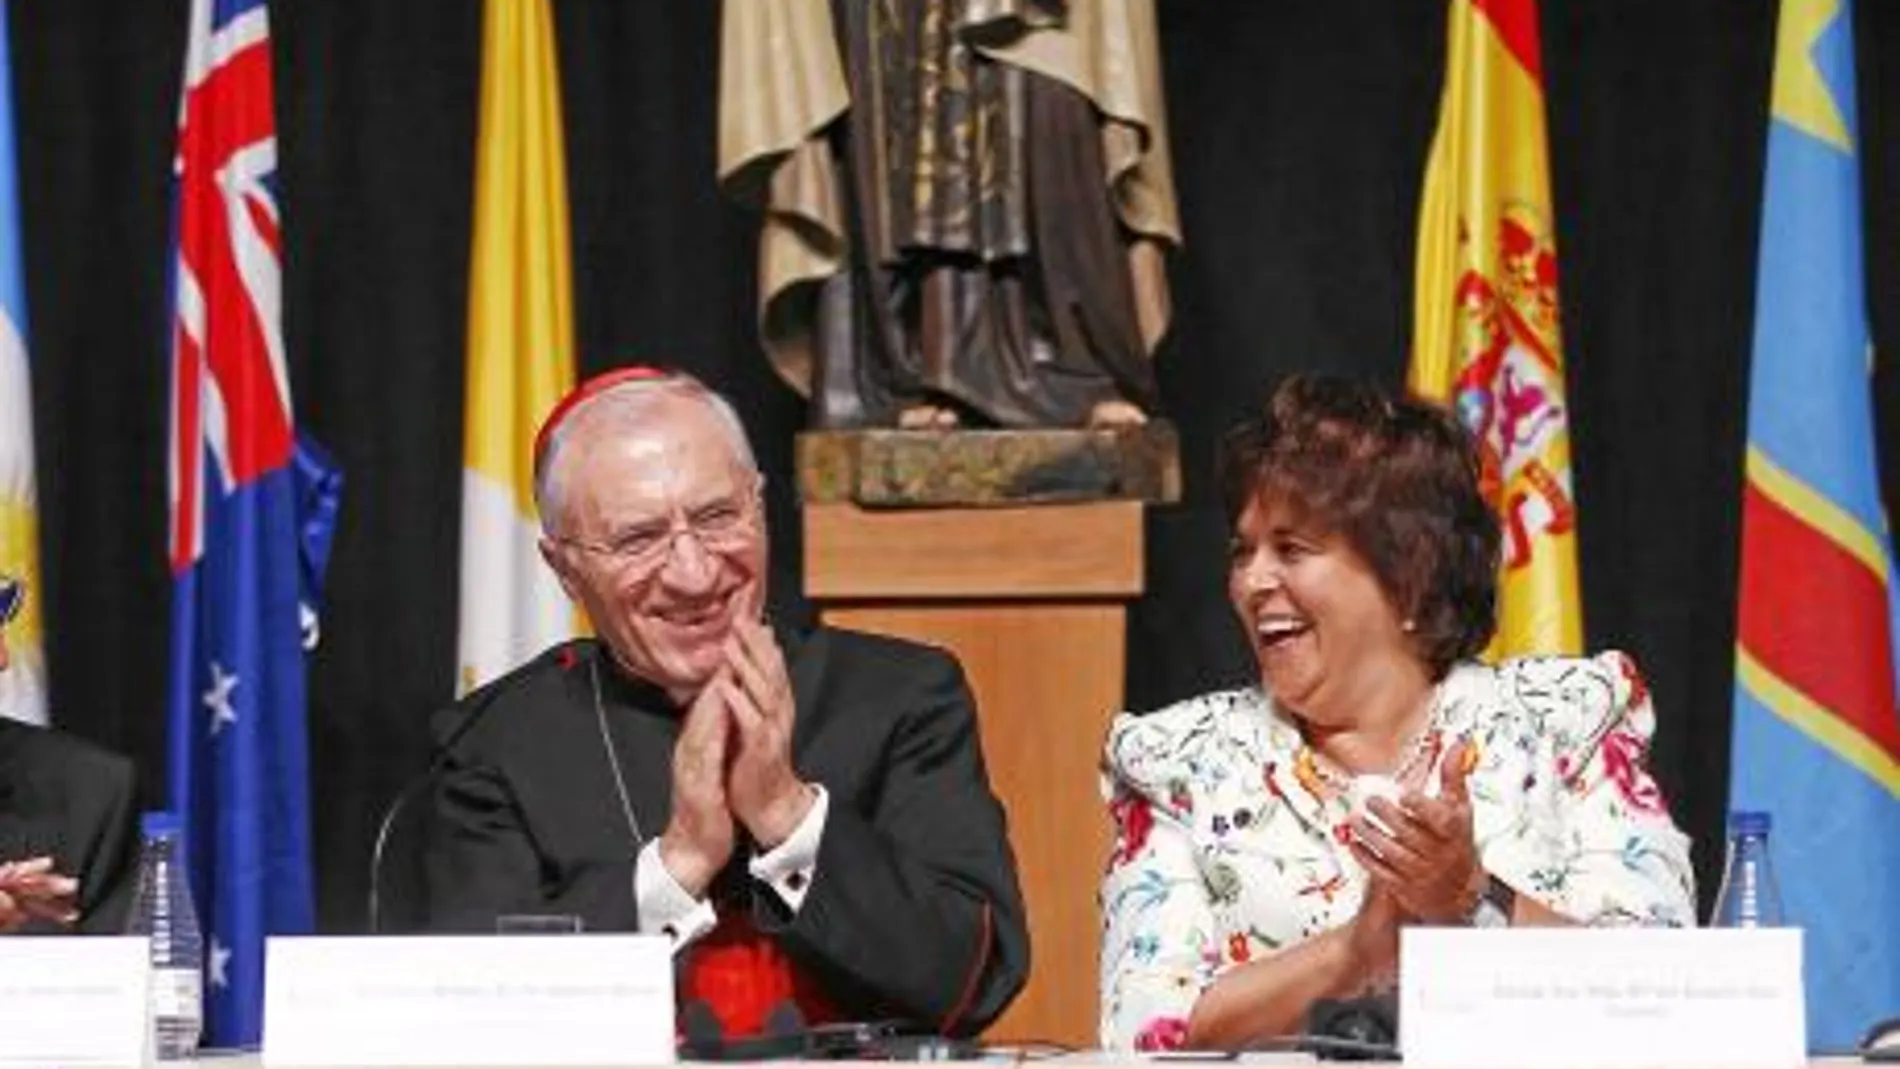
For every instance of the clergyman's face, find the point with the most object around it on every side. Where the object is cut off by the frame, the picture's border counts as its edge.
(662, 540)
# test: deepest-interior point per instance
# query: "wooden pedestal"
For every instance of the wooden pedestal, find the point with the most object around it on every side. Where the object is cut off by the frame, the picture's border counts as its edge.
(1033, 601)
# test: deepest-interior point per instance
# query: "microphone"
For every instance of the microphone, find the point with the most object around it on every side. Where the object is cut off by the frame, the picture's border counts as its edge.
(1882, 1043)
(703, 1038)
(787, 1037)
(409, 790)
(785, 1020)
(1353, 1029)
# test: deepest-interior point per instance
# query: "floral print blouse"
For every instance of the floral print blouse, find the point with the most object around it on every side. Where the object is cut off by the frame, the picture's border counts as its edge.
(1228, 846)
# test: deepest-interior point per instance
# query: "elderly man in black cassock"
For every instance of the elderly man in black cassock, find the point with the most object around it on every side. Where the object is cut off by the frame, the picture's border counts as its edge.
(806, 815)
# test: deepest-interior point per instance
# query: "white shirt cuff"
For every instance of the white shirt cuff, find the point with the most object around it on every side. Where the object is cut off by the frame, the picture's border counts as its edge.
(789, 867)
(665, 907)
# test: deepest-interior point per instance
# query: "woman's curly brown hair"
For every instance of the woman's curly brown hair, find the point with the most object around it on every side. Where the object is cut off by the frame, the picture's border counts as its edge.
(1398, 478)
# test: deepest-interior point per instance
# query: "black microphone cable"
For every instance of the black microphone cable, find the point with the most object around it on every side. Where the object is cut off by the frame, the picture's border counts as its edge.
(437, 762)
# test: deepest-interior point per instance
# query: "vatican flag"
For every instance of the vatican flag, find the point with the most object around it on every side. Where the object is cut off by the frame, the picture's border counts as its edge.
(520, 344)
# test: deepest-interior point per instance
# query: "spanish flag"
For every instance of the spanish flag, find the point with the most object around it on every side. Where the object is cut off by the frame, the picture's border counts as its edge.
(520, 344)
(1486, 335)
(1817, 728)
(22, 687)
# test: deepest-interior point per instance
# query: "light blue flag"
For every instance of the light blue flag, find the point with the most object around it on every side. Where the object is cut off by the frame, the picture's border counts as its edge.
(1817, 738)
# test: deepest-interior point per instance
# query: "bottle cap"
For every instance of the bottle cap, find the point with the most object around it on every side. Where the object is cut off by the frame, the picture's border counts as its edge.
(1748, 822)
(159, 822)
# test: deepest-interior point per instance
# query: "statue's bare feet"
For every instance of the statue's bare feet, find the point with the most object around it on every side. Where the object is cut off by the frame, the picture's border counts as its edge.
(927, 417)
(1115, 415)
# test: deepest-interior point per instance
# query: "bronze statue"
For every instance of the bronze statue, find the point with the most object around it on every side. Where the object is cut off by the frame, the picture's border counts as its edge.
(967, 204)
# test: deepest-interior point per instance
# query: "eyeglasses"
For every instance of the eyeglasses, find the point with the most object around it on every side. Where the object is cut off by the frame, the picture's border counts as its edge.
(12, 598)
(719, 527)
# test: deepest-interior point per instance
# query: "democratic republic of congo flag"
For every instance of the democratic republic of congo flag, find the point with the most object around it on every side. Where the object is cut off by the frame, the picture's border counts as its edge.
(1817, 740)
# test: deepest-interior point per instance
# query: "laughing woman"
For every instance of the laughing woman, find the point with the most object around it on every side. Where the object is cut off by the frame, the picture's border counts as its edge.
(1272, 841)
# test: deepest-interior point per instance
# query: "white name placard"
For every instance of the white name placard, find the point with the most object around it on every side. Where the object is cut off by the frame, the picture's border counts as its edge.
(1608, 998)
(73, 1000)
(554, 1000)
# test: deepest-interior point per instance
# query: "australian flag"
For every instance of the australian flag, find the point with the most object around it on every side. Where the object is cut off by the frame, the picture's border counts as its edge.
(252, 511)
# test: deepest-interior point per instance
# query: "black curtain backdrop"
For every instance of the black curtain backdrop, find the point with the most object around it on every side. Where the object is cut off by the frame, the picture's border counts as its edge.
(1300, 129)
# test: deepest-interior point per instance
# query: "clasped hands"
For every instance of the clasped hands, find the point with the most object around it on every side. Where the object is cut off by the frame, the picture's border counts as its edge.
(732, 765)
(1423, 860)
(31, 890)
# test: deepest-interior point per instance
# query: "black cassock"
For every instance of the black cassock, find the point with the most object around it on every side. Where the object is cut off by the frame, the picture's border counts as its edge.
(914, 910)
(67, 799)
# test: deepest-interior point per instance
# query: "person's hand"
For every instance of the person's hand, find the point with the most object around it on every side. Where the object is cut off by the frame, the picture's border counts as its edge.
(767, 795)
(698, 837)
(1424, 853)
(31, 889)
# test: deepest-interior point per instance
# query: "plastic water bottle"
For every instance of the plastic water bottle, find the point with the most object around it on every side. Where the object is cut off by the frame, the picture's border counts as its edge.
(163, 912)
(1749, 896)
